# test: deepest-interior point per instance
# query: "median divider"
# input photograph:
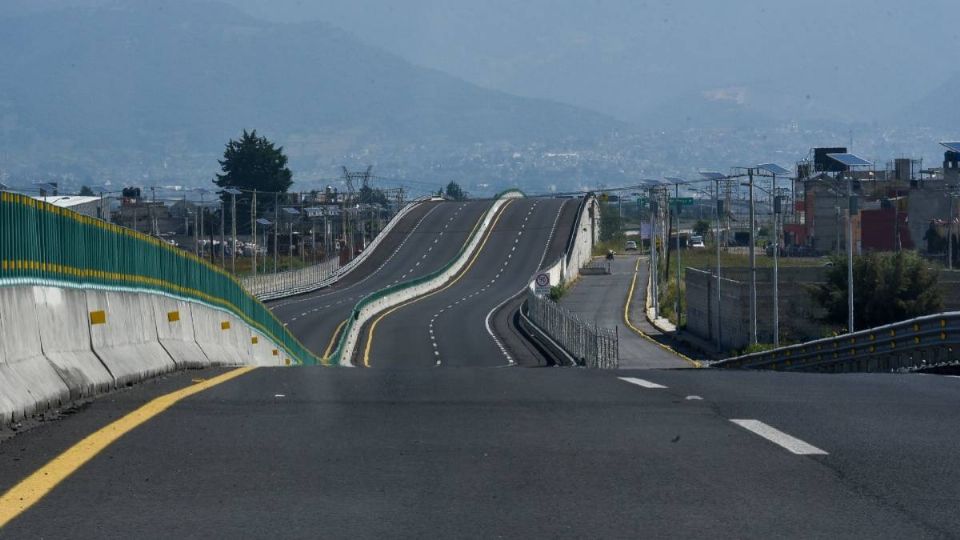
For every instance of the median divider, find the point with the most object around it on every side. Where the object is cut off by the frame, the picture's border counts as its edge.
(65, 335)
(392, 296)
(124, 337)
(174, 320)
(86, 306)
(28, 381)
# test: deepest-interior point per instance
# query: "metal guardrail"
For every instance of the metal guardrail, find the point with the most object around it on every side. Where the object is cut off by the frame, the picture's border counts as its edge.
(921, 343)
(291, 282)
(590, 345)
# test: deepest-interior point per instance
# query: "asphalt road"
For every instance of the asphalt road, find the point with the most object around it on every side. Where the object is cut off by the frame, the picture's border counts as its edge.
(450, 327)
(516, 453)
(425, 240)
(600, 299)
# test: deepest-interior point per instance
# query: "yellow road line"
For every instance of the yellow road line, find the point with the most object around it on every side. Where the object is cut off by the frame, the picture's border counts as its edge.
(641, 333)
(463, 272)
(36, 486)
(333, 339)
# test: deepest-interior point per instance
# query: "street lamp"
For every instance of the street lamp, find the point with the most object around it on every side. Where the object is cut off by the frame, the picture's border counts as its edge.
(233, 226)
(717, 177)
(850, 161)
(676, 184)
(291, 212)
(774, 170)
(266, 224)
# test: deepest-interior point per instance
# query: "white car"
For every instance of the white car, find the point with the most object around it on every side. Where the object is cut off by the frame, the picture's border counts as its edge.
(630, 246)
(696, 242)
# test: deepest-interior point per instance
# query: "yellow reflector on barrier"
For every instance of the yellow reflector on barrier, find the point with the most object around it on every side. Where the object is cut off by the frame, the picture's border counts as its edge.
(276, 352)
(98, 317)
(287, 361)
(254, 340)
(225, 325)
(173, 316)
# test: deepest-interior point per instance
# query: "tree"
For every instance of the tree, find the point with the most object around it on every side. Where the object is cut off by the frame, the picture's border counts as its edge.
(887, 288)
(85, 191)
(252, 163)
(611, 226)
(368, 195)
(455, 192)
(701, 227)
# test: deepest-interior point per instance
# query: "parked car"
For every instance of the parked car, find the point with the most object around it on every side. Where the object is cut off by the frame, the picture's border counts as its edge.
(630, 246)
(696, 242)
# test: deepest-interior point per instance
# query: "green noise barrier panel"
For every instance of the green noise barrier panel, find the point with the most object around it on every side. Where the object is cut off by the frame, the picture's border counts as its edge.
(42, 244)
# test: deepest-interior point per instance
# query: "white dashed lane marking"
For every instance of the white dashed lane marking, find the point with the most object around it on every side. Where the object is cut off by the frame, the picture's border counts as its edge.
(779, 438)
(641, 382)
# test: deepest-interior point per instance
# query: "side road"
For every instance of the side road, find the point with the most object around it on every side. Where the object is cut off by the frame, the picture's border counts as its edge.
(601, 299)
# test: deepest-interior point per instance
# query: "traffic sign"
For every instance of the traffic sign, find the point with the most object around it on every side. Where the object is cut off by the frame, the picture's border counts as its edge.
(682, 201)
(542, 284)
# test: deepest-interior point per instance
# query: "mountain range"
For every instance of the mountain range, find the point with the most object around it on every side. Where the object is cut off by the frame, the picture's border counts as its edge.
(180, 76)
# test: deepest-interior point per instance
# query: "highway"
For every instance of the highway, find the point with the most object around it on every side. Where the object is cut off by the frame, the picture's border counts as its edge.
(487, 449)
(430, 331)
(515, 453)
(423, 241)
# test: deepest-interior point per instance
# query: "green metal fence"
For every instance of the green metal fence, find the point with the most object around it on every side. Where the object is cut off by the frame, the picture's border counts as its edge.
(42, 244)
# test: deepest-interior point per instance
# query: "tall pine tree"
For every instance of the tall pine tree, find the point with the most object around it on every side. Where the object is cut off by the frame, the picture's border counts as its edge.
(252, 163)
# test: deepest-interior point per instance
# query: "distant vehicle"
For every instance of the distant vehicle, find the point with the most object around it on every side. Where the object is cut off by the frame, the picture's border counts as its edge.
(696, 242)
(630, 246)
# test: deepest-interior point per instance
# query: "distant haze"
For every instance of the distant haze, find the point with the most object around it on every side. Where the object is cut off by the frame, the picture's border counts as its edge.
(539, 93)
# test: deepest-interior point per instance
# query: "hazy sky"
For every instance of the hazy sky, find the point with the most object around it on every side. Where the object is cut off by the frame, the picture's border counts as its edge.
(797, 59)
(856, 60)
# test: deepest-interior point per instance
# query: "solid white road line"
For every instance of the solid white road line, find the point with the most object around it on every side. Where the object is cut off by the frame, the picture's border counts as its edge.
(778, 437)
(641, 382)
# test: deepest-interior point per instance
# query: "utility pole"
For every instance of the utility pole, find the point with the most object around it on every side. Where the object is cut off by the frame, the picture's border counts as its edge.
(753, 264)
(253, 231)
(233, 232)
(276, 229)
(719, 214)
(223, 235)
(677, 306)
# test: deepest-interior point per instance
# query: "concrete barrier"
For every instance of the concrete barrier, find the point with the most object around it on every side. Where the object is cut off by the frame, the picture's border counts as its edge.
(214, 338)
(59, 344)
(124, 336)
(175, 330)
(29, 381)
(65, 335)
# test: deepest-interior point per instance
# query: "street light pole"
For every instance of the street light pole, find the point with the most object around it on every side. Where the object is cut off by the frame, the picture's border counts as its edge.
(753, 264)
(850, 209)
(233, 233)
(653, 254)
(777, 209)
(950, 234)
